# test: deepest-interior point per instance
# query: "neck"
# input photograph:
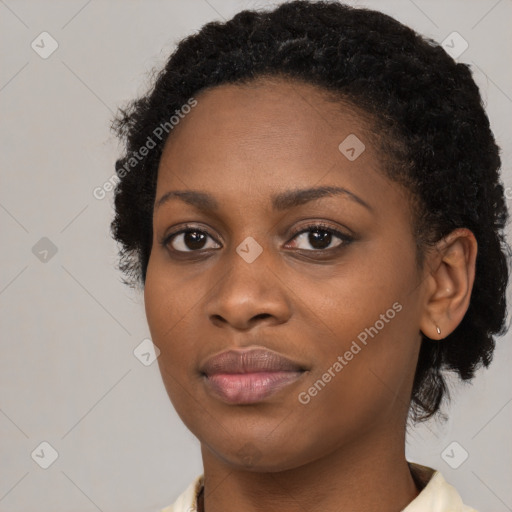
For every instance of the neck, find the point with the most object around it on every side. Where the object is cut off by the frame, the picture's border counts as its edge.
(364, 476)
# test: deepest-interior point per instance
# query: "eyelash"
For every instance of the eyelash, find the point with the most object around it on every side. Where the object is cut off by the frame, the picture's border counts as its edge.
(317, 226)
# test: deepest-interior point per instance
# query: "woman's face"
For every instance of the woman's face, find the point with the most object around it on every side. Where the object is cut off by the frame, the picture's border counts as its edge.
(253, 271)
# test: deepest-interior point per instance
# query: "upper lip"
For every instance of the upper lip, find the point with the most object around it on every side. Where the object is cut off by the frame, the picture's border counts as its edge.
(249, 361)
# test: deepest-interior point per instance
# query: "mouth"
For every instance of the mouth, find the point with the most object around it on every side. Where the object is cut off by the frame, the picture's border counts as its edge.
(249, 376)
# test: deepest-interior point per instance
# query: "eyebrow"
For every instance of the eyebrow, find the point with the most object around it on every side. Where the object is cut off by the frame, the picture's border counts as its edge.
(280, 202)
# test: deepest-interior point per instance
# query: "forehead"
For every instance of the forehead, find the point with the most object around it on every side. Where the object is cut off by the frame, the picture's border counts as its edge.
(269, 131)
(246, 145)
(262, 109)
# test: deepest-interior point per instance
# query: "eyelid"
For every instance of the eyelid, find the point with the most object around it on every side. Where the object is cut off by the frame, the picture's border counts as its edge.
(310, 226)
(345, 239)
(323, 226)
(166, 238)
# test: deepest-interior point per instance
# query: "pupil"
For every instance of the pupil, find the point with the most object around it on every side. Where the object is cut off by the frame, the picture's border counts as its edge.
(194, 239)
(320, 238)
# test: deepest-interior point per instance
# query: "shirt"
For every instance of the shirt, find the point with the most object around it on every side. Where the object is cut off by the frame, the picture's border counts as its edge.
(436, 494)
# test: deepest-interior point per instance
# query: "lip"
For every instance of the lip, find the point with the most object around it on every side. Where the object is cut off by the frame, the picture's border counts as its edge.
(250, 375)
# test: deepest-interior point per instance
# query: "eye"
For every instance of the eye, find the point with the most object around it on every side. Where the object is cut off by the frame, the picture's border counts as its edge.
(321, 237)
(189, 239)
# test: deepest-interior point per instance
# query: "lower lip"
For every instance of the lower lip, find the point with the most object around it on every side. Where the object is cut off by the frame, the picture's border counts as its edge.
(249, 388)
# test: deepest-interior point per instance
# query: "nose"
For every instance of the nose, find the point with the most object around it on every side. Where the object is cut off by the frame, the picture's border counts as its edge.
(248, 294)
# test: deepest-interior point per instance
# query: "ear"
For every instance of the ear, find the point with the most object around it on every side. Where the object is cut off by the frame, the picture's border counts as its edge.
(451, 274)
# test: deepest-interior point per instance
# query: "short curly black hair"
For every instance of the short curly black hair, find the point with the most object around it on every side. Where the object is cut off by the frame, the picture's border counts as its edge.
(425, 107)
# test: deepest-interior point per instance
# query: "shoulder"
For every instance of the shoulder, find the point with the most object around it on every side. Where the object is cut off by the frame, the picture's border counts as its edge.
(437, 495)
(186, 501)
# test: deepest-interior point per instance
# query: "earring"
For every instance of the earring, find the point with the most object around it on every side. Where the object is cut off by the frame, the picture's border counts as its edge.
(438, 330)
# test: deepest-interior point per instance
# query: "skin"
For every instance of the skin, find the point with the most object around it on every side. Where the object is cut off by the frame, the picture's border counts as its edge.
(243, 145)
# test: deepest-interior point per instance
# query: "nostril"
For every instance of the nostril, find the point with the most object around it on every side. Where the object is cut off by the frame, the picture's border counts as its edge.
(261, 315)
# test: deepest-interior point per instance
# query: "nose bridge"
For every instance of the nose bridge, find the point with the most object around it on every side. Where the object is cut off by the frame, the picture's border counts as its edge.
(249, 287)
(247, 269)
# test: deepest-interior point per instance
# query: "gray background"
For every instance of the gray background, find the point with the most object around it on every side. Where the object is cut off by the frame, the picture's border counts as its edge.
(68, 374)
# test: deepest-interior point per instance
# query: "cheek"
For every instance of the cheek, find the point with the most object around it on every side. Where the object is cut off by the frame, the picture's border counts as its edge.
(358, 386)
(169, 310)
(363, 299)
(158, 304)
(368, 318)
(168, 298)
(168, 305)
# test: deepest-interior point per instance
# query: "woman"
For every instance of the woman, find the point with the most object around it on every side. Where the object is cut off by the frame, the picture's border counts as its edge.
(310, 199)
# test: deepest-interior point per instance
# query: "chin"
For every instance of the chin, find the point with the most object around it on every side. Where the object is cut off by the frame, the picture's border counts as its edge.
(261, 456)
